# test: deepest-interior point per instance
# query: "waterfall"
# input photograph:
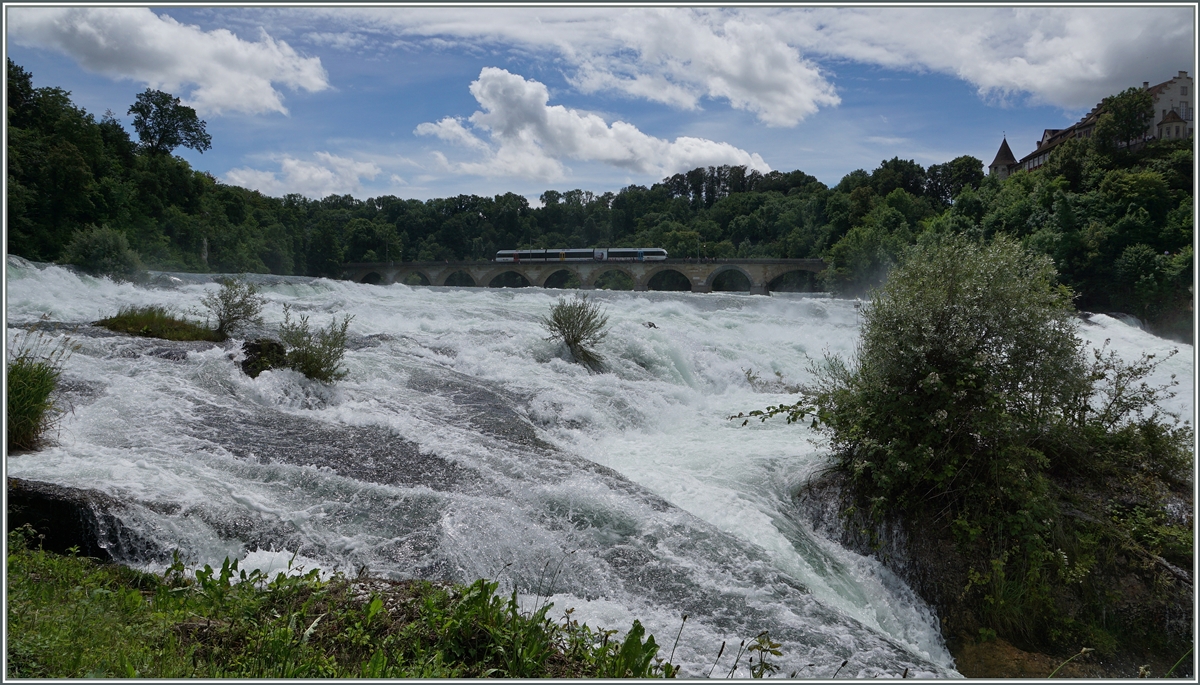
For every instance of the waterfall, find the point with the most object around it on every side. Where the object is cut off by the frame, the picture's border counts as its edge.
(463, 444)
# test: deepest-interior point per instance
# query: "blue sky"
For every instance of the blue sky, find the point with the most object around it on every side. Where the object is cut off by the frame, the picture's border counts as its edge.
(424, 102)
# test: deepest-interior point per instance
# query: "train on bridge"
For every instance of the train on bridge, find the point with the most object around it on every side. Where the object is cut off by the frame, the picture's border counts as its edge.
(600, 254)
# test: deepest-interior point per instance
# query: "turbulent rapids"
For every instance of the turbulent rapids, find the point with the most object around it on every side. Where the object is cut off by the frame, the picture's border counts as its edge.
(463, 445)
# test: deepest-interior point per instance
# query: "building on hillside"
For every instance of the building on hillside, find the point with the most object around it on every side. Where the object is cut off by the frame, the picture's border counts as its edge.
(1174, 114)
(1004, 162)
(1173, 125)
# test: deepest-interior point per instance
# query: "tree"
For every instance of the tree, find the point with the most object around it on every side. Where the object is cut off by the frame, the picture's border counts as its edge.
(943, 182)
(862, 258)
(20, 95)
(102, 251)
(1124, 117)
(237, 304)
(163, 124)
(898, 173)
(972, 414)
(967, 352)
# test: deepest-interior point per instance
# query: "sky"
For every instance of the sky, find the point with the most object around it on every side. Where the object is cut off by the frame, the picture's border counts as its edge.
(425, 102)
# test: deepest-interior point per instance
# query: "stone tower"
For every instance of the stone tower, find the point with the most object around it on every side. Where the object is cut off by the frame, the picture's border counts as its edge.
(1004, 162)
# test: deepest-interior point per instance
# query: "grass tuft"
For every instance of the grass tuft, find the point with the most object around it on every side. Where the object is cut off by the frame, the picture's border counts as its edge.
(34, 367)
(157, 322)
(579, 324)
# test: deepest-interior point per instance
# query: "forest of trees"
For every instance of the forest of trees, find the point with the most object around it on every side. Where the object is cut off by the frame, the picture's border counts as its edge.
(1118, 224)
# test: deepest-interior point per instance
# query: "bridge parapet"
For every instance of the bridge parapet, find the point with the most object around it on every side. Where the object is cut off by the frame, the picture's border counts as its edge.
(701, 274)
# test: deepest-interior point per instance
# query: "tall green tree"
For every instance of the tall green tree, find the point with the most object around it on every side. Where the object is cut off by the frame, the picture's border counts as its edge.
(1124, 117)
(943, 182)
(163, 123)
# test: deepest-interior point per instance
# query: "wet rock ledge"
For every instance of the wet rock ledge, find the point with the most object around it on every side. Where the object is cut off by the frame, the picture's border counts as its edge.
(929, 564)
(67, 517)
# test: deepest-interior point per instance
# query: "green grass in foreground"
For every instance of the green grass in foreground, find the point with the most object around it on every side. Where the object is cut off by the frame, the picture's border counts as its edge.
(157, 322)
(71, 617)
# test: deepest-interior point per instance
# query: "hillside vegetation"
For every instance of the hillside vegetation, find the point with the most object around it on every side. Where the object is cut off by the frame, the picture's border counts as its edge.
(1118, 225)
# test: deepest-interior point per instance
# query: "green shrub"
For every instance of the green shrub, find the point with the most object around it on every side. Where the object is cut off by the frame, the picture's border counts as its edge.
(968, 356)
(579, 325)
(316, 354)
(973, 411)
(102, 251)
(236, 304)
(157, 322)
(34, 367)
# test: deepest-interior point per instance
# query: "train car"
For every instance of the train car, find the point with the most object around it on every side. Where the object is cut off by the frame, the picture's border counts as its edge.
(632, 254)
(603, 254)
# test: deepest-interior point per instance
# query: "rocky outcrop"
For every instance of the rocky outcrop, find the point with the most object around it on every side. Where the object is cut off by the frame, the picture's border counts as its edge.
(926, 562)
(263, 354)
(67, 517)
(1144, 591)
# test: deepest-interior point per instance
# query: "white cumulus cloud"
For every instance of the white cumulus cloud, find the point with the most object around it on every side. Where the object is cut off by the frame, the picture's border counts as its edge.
(677, 56)
(683, 55)
(528, 137)
(1065, 56)
(328, 175)
(224, 72)
(767, 60)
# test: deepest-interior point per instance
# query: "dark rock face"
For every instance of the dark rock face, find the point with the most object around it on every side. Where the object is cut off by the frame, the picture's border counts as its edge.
(263, 354)
(926, 562)
(924, 556)
(73, 517)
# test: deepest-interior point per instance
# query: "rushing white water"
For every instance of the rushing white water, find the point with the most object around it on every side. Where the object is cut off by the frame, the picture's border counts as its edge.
(464, 445)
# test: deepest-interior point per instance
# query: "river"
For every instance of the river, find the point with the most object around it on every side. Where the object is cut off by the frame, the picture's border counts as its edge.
(463, 445)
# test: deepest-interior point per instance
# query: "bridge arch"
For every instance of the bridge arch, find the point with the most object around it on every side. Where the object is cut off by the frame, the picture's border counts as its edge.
(508, 278)
(372, 278)
(795, 281)
(729, 278)
(566, 277)
(593, 279)
(413, 277)
(666, 277)
(459, 279)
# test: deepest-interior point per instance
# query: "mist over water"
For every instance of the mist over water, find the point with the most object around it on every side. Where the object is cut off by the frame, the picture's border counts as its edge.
(463, 445)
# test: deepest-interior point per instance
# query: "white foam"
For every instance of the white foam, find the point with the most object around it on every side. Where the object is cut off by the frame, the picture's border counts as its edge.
(145, 431)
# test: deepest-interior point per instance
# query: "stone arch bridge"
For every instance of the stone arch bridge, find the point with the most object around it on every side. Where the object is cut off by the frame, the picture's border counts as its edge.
(701, 275)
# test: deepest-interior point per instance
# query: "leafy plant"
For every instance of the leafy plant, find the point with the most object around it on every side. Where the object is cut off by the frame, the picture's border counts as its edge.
(236, 304)
(765, 647)
(102, 251)
(316, 354)
(34, 367)
(579, 325)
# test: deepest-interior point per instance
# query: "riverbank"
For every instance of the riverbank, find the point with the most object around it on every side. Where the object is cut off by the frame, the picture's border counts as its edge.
(1148, 605)
(74, 617)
